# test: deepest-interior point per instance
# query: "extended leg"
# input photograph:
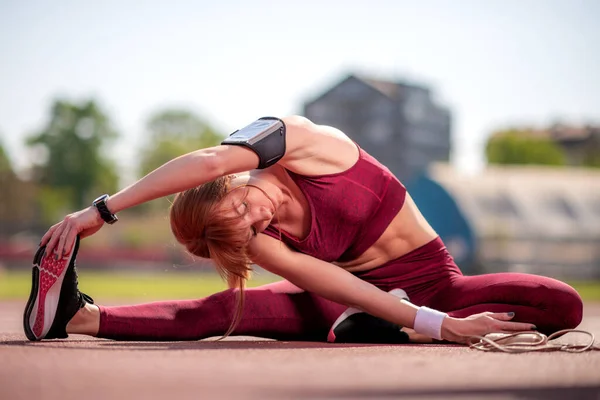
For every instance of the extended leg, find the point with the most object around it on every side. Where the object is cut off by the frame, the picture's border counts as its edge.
(279, 310)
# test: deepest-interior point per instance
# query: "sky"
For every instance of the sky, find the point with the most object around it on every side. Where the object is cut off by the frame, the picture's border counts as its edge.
(492, 63)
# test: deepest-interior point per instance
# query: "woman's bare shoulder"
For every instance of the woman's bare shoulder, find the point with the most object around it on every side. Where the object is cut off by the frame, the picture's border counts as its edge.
(314, 149)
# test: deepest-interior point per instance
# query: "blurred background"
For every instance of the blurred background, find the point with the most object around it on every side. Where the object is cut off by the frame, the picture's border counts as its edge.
(489, 112)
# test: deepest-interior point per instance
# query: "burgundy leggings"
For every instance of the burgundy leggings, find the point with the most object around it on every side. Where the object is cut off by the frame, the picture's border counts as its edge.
(283, 311)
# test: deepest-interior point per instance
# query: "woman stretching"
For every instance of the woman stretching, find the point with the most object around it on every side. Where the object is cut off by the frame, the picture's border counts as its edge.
(314, 209)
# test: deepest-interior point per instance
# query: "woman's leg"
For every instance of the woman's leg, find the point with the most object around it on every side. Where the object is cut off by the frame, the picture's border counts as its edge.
(547, 303)
(279, 310)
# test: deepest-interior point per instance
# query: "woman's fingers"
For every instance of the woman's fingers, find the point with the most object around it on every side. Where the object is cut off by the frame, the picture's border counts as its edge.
(69, 241)
(53, 242)
(62, 239)
(504, 323)
(489, 322)
(48, 234)
(502, 316)
(516, 326)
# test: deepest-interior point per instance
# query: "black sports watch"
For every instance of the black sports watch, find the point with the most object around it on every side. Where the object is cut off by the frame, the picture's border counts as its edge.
(105, 214)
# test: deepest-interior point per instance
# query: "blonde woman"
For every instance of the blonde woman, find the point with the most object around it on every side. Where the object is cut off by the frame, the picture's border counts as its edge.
(308, 204)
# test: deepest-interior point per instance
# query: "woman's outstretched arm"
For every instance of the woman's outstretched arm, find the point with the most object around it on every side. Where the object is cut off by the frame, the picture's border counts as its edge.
(181, 173)
(304, 141)
(185, 172)
(338, 285)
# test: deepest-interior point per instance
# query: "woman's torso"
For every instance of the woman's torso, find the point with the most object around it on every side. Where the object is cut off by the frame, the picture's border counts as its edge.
(358, 218)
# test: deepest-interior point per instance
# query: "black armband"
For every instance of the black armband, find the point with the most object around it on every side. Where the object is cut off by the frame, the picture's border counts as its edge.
(265, 136)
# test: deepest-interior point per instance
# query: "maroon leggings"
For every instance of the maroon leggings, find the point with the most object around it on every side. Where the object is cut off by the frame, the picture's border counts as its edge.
(283, 311)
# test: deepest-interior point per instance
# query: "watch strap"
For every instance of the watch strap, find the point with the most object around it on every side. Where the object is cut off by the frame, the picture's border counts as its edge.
(103, 210)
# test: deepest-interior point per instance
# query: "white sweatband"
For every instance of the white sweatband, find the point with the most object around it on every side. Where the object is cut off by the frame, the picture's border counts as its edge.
(429, 322)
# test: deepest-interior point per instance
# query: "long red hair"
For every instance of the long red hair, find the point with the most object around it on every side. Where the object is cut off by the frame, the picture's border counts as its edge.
(206, 233)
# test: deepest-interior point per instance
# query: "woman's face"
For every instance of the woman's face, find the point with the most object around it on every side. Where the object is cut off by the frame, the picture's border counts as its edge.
(250, 203)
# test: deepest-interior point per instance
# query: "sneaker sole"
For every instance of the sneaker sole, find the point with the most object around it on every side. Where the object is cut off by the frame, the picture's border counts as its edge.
(351, 311)
(47, 277)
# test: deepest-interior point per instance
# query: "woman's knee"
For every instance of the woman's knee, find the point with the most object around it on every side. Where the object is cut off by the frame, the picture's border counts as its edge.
(572, 307)
(566, 305)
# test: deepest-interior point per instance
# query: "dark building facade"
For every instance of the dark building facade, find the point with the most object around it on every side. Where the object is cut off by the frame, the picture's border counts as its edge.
(397, 123)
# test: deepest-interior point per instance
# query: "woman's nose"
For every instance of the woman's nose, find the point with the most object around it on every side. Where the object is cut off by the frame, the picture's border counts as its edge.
(262, 213)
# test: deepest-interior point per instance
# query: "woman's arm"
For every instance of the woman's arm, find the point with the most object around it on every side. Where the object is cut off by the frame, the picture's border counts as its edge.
(182, 173)
(338, 285)
(304, 140)
(329, 281)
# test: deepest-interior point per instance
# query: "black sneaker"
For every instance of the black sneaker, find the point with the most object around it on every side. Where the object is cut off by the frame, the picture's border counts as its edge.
(54, 298)
(356, 326)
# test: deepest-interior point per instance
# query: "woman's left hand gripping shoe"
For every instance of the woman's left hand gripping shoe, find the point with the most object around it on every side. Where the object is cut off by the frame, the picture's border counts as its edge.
(55, 297)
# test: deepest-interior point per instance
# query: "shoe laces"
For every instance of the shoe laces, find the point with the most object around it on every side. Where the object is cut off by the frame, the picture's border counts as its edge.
(84, 296)
(87, 298)
(524, 342)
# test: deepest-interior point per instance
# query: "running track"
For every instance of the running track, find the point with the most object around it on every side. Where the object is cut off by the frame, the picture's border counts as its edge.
(85, 368)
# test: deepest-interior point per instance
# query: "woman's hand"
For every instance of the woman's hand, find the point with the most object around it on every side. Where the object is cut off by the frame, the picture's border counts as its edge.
(459, 330)
(61, 237)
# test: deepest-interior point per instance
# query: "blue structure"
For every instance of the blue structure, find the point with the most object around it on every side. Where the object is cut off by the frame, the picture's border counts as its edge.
(444, 215)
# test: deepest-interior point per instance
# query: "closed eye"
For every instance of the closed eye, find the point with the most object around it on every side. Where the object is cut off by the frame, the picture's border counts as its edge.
(241, 208)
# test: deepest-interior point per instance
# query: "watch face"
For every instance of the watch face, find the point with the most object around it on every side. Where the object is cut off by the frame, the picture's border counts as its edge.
(103, 197)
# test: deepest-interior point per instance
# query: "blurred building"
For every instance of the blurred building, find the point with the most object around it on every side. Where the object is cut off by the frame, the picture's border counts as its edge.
(541, 220)
(398, 123)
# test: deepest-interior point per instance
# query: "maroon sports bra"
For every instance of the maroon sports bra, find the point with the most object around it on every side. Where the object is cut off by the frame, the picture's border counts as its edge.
(350, 210)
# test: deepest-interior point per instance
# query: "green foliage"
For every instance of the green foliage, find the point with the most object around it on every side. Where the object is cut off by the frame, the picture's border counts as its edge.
(71, 160)
(172, 133)
(521, 147)
(17, 201)
(9, 186)
(5, 164)
(51, 203)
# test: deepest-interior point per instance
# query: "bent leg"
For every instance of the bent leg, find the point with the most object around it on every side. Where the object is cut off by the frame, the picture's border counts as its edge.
(278, 310)
(547, 303)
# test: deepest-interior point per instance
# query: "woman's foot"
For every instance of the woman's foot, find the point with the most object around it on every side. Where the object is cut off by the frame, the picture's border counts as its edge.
(415, 337)
(356, 326)
(55, 297)
(86, 321)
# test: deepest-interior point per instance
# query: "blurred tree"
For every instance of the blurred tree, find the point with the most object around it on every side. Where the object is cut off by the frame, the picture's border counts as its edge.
(5, 164)
(70, 162)
(171, 133)
(521, 147)
(17, 202)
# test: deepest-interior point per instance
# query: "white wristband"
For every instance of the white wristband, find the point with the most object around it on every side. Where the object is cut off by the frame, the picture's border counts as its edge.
(429, 322)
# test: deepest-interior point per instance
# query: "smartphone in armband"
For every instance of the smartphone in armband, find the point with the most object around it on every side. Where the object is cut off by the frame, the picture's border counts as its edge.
(265, 136)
